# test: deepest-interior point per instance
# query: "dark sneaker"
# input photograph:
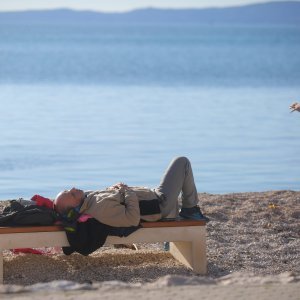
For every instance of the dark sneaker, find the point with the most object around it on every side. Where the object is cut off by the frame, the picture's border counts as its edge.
(192, 213)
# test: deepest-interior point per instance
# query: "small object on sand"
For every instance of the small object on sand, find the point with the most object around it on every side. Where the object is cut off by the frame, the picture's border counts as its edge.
(273, 206)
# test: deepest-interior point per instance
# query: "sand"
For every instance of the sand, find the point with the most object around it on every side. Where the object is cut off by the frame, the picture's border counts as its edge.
(252, 245)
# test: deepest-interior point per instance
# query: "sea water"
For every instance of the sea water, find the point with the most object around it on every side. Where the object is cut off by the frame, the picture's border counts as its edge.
(90, 105)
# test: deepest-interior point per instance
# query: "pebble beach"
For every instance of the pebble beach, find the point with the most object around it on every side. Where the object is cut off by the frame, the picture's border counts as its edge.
(253, 239)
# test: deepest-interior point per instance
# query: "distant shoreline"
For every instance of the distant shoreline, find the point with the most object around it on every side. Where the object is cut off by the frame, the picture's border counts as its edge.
(285, 12)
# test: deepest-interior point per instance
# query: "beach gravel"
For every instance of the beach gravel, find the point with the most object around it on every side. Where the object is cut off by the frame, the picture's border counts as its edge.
(251, 238)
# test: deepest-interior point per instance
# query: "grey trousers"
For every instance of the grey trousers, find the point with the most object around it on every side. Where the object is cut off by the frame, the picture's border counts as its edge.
(178, 180)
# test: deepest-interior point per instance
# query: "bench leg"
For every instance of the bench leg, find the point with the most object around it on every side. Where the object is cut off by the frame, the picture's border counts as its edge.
(1, 266)
(191, 254)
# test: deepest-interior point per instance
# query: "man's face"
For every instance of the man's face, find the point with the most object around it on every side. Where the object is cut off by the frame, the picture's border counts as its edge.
(68, 199)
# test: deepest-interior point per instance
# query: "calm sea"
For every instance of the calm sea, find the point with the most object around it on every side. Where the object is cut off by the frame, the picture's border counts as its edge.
(91, 105)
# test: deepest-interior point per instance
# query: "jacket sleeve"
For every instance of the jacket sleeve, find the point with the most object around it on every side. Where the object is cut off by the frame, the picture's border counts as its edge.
(128, 213)
(113, 208)
(120, 210)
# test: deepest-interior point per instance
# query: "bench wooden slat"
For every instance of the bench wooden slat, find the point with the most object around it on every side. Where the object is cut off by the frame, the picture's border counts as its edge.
(27, 229)
(54, 228)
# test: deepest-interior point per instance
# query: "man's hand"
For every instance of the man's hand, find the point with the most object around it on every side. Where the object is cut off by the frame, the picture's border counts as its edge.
(120, 186)
(295, 106)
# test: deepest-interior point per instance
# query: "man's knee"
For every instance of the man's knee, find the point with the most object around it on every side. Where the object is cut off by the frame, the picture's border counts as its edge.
(181, 160)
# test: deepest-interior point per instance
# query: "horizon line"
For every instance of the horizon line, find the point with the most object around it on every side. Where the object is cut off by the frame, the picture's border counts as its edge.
(146, 7)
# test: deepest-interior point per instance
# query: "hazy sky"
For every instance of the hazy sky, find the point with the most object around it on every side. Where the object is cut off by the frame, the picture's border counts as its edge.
(118, 5)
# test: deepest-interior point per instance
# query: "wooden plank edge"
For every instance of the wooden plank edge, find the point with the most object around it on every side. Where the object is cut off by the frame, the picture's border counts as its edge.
(55, 228)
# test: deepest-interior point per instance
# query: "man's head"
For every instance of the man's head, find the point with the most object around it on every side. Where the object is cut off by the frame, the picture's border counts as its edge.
(68, 199)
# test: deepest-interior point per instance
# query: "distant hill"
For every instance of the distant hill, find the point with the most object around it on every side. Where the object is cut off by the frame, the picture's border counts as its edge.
(285, 12)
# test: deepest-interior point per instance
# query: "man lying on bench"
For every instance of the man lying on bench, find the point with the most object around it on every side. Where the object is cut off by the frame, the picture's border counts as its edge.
(115, 213)
(124, 206)
(90, 217)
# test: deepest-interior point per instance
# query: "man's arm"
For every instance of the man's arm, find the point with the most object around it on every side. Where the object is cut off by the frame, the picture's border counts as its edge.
(122, 214)
(132, 208)
(295, 106)
(126, 213)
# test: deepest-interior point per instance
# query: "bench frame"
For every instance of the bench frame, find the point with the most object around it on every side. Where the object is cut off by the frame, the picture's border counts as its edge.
(187, 240)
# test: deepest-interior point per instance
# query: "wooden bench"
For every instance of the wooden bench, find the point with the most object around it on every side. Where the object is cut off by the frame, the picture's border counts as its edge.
(187, 240)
